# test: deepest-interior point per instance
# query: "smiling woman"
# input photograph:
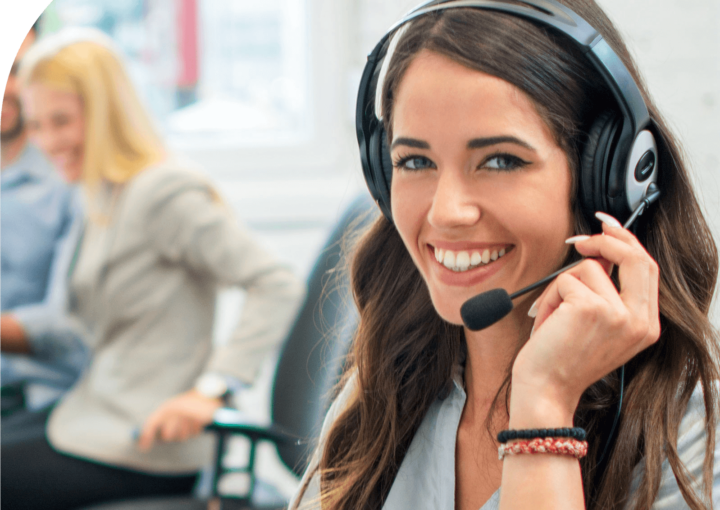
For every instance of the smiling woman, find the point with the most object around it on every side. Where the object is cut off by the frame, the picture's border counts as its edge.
(494, 135)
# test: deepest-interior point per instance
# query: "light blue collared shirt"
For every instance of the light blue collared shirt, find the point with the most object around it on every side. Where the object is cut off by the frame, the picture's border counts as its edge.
(40, 226)
(426, 479)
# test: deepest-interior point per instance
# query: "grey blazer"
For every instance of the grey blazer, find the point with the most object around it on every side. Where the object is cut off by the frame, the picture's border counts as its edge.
(144, 286)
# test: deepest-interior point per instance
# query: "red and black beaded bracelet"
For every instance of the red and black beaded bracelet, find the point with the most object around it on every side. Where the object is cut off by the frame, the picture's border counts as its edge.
(509, 435)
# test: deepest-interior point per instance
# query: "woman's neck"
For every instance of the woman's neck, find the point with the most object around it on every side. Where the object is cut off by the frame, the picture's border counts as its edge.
(490, 353)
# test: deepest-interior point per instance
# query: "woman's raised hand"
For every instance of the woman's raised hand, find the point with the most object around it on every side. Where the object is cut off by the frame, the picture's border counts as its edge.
(585, 327)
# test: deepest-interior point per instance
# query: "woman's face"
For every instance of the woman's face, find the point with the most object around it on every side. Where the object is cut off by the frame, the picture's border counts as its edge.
(480, 189)
(56, 123)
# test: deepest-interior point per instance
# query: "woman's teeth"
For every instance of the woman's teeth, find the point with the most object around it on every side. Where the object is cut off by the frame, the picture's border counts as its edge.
(464, 260)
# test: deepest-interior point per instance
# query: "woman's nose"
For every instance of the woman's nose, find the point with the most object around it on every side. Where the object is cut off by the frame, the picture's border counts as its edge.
(453, 204)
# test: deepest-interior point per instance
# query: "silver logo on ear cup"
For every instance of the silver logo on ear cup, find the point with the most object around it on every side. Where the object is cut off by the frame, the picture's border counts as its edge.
(645, 166)
(642, 168)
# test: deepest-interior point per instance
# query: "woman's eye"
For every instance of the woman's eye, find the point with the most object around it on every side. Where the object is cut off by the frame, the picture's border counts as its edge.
(414, 163)
(504, 162)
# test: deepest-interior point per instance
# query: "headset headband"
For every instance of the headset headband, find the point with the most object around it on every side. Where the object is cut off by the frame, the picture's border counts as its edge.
(555, 16)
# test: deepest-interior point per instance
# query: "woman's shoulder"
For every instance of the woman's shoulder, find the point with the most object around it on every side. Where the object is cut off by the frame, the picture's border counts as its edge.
(161, 182)
(172, 170)
(309, 490)
(693, 421)
(341, 402)
(691, 450)
(692, 433)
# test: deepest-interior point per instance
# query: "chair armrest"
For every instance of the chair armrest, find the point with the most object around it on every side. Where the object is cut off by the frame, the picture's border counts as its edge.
(226, 422)
(232, 421)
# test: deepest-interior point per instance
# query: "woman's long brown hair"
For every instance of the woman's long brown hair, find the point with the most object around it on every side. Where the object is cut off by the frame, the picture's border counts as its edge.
(404, 352)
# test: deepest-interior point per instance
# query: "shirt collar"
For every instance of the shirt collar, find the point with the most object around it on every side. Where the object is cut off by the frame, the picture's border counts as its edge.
(30, 165)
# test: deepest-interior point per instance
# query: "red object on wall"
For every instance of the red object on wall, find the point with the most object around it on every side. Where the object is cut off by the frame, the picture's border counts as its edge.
(188, 43)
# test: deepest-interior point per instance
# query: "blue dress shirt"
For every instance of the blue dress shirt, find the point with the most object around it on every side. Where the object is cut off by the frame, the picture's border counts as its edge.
(40, 227)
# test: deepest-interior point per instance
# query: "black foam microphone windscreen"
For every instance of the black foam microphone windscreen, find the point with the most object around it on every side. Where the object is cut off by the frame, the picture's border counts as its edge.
(486, 309)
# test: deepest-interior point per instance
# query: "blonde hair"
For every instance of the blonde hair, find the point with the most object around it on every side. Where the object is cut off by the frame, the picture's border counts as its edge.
(120, 139)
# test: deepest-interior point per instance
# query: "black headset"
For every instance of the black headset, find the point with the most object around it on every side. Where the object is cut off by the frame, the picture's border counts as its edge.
(619, 159)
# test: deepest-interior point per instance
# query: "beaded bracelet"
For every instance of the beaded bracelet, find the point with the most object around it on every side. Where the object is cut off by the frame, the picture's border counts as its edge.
(571, 447)
(508, 435)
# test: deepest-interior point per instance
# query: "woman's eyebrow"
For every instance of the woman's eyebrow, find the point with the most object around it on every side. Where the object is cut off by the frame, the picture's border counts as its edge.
(479, 143)
(410, 142)
(475, 143)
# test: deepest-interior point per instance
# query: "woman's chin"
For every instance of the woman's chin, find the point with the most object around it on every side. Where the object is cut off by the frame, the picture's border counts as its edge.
(71, 173)
(448, 311)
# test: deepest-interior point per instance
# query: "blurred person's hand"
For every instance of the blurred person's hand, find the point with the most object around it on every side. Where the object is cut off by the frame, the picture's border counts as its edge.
(178, 419)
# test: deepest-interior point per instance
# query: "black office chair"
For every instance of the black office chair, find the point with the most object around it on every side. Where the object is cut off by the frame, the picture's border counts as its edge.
(309, 366)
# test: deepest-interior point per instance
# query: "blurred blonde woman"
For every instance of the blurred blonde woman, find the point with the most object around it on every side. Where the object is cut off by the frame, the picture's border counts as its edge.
(157, 245)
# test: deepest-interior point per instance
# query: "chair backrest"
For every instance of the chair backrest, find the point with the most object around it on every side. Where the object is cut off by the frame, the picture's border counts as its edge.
(312, 358)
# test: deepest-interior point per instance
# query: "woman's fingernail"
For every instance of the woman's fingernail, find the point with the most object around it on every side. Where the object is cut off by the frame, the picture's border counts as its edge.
(533, 309)
(576, 239)
(532, 330)
(608, 220)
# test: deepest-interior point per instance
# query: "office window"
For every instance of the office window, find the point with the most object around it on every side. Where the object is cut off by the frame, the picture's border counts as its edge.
(211, 71)
(253, 93)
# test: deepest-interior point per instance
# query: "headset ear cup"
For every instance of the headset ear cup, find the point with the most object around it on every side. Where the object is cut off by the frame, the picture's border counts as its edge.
(595, 161)
(381, 165)
(387, 164)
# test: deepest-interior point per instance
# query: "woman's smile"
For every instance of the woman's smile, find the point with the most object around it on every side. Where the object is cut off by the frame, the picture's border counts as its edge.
(465, 266)
(465, 260)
